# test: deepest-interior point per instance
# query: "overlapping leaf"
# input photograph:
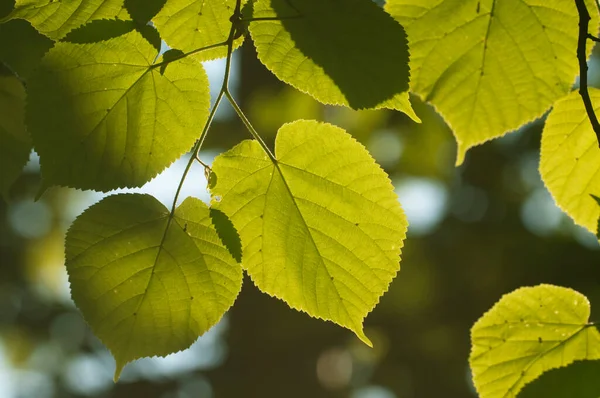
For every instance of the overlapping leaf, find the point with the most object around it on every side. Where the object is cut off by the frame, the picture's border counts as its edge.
(56, 18)
(190, 25)
(22, 47)
(102, 117)
(147, 285)
(321, 227)
(15, 144)
(570, 159)
(340, 52)
(490, 66)
(528, 332)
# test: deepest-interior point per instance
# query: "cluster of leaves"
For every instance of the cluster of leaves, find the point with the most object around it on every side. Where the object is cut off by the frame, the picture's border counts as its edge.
(315, 222)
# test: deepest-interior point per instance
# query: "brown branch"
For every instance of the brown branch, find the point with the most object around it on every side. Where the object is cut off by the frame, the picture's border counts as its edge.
(584, 22)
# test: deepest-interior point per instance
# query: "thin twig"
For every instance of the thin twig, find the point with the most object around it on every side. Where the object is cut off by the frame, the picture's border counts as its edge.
(584, 21)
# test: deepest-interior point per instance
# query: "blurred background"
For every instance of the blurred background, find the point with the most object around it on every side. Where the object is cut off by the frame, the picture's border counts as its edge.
(476, 232)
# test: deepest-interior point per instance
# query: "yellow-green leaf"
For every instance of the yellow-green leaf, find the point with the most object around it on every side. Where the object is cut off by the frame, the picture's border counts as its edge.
(528, 332)
(145, 284)
(570, 159)
(340, 52)
(491, 66)
(191, 24)
(321, 227)
(15, 144)
(102, 116)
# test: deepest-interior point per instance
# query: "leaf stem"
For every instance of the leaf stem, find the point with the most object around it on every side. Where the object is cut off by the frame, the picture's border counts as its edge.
(584, 21)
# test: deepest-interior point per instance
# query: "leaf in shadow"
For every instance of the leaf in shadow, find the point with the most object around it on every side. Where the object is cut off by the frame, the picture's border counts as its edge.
(580, 380)
(142, 11)
(100, 30)
(227, 233)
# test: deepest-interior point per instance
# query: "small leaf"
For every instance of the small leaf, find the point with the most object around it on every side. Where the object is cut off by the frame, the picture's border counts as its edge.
(190, 25)
(342, 53)
(15, 144)
(56, 18)
(142, 11)
(102, 117)
(22, 47)
(321, 228)
(489, 67)
(527, 333)
(146, 285)
(570, 159)
(227, 233)
(99, 30)
(170, 56)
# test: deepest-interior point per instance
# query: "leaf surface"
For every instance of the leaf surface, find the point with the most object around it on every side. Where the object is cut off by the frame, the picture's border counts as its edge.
(190, 24)
(15, 144)
(321, 228)
(146, 286)
(56, 18)
(102, 117)
(528, 332)
(490, 66)
(341, 52)
(570, 159)
(22, 47)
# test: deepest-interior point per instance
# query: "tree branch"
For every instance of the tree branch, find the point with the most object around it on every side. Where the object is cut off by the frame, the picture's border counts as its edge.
(584, 21)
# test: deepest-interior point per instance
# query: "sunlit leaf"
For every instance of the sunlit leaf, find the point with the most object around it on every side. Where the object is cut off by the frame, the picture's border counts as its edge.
(102, 117)
(527, 333)
(146, 285)
(55, 18)
(190, 24)
(15, 144)
(343, 53)
(322, 228)
(570, 159)
(22, 47)
(490, 66)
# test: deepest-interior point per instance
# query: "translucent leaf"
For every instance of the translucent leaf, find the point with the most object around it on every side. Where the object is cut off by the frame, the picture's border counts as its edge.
(527, 333)
(15, 144)
(56, 18)
(352, 54)
(322, 228)
(147, 285)
(190, 24)
(22, 47)
(102, 116)
(490, 66)
(570, 159)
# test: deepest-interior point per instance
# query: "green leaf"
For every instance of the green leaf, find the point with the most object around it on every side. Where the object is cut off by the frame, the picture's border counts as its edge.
(527, 333)
(321, 228)
(597, 199)
(56, 18)
(15, 144)
(145, 284)
(22, 47)
(227, 233)
(190, 24)
(570, 159)
(102, 117)
(99, 30)
(142, 11)
(578, 380)
(346, 52)
(490, 66)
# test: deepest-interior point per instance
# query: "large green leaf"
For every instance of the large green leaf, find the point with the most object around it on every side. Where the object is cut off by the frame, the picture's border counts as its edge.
(570, 159)
(102, 117)
(341, 52)
(190, 24)
(148, 285)
(528, 332)
(15, 144)
(321, 227)
(490, 66)
(55, 18)
(578, 380)
(22, 47)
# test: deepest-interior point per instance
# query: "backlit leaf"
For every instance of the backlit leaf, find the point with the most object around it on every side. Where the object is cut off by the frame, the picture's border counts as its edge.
(102, 117)
(490, 66)
(15, 144)
(341, 52)
(22, 47)
(191, 24)
(570, 159)
(146, 285)
(527, 333)
(55, 18)
(322, 228)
